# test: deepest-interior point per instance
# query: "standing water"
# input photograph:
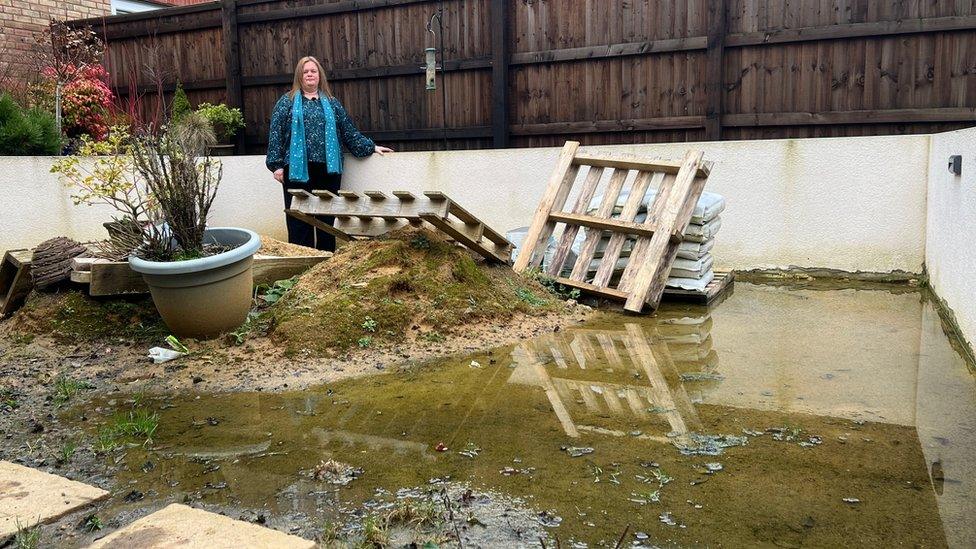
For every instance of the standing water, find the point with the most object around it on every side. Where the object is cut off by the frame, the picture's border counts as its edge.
(782, 416)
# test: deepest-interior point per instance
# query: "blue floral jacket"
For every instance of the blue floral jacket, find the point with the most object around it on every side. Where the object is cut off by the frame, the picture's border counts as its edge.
(279, 136)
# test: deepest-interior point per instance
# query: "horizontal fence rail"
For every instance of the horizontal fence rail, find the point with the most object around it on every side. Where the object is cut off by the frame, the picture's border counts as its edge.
(533, 73)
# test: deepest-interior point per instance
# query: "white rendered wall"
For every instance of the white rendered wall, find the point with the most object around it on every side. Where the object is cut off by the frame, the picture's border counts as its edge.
(950, 250)
(855, 204)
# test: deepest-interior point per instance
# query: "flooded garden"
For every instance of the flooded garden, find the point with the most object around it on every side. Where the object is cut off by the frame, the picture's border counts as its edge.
(787, 415)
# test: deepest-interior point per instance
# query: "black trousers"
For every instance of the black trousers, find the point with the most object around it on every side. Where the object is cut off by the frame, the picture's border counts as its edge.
(302, 233)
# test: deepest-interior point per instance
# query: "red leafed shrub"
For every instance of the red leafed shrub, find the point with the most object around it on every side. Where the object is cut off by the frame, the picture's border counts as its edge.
(85, 102)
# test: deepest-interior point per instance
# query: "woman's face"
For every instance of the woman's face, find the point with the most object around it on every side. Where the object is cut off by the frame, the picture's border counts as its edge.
(310, 75)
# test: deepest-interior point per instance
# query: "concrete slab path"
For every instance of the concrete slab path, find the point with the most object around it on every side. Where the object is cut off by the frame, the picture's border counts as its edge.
(29, 497)
(187, 528)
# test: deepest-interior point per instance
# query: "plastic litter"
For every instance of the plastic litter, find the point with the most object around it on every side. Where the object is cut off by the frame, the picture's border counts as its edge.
(162, 354)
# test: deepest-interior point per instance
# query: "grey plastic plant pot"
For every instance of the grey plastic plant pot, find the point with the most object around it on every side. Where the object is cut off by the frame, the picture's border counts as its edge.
(203, 298)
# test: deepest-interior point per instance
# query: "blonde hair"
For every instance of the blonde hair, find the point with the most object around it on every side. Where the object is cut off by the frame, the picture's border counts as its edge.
(296, 86)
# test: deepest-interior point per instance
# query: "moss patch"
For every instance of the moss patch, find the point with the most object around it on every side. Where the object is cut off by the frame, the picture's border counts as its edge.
(408, 285)
(73, 316)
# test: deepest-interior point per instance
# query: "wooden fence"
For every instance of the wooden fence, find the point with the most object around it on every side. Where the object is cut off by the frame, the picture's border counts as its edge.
(539, 72)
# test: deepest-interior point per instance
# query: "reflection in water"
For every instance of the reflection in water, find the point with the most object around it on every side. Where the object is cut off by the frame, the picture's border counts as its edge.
(649, 384)
(844, 394)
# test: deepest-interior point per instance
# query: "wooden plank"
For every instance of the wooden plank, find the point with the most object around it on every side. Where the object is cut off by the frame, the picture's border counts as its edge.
(376, 195)
(602, 291)
(499, 73)
(470, 237)
(81, 277)
(348, 205)
(117, 278)
(609, 126)
(870, 116)
(319, 224)
(649, 282)
(715, 70)
(852, 30)
(15, 280)
(557, 191)
(573, 223)
(360, 73)
(610, 50)
(593, 236)
(303, 12)
(645, 229)
(632, 162)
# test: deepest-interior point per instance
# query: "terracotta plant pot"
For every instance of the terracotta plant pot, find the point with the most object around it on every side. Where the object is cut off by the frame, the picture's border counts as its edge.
(204, 297)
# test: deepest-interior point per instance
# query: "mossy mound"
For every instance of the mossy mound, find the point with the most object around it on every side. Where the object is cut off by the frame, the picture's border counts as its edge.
(73, 316)
(409, 285)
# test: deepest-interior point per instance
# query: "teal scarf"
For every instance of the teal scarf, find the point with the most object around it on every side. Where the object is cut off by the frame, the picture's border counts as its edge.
(297, 162)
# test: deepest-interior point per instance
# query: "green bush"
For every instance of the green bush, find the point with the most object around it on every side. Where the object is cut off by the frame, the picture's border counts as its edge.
(25, 132)
(181, 104)
(225, 121)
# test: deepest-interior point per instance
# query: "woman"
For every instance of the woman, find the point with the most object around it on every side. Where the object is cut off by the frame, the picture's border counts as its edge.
(307, 125)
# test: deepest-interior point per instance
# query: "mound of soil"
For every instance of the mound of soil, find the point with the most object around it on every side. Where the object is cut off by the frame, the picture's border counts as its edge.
(410, 285)
(73, 316)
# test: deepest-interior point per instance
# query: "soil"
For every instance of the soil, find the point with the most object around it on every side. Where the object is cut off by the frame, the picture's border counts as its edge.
(273, 247)
(375, 305)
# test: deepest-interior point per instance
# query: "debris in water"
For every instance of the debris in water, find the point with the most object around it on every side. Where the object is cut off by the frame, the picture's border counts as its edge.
(549, 519)
(693, 504)
(752, 433)
(701, 376)
(649, 464)
(640, 535)
(575, 451)
(852, 501)
(217, 486)
(636, 433)
(707, 445)
(441, 447)
(336, 472)
(475, 364)
(644, 499)
(811, 441)
(766, 393)
(511, 471)
(666, 518)
(713, 467)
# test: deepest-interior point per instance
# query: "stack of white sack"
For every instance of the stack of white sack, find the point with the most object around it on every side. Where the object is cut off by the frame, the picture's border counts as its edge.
(692, 269)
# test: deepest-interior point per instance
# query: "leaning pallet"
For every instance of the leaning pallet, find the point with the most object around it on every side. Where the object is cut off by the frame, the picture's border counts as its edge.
(679, 186)
(374, 213)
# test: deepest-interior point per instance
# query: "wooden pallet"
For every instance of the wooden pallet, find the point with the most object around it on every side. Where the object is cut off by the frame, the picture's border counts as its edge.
(15, 280)
(375, 213)
(679, 186)
(720, 286)
(109, 278)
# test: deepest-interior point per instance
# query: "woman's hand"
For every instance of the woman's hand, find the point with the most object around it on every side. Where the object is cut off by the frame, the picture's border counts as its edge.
(382, 150)
(279, 175)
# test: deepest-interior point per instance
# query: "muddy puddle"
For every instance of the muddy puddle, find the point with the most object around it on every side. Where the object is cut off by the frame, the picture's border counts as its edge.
(780, 417)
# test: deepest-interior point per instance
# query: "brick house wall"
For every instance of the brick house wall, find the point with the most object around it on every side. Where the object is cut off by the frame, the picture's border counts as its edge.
(21, 19)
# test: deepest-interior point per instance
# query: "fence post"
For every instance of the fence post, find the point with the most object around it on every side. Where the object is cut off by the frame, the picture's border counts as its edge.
(499, 73)
(232, 62)
(715, 70)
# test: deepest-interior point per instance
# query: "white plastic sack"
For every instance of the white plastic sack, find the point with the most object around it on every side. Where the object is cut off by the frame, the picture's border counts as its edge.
(691, 268)
(691, 283)
(695, 250)
(702, 233)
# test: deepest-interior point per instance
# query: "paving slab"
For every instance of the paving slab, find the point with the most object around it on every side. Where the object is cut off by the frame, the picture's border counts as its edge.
(29, 496)
(187, 528)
